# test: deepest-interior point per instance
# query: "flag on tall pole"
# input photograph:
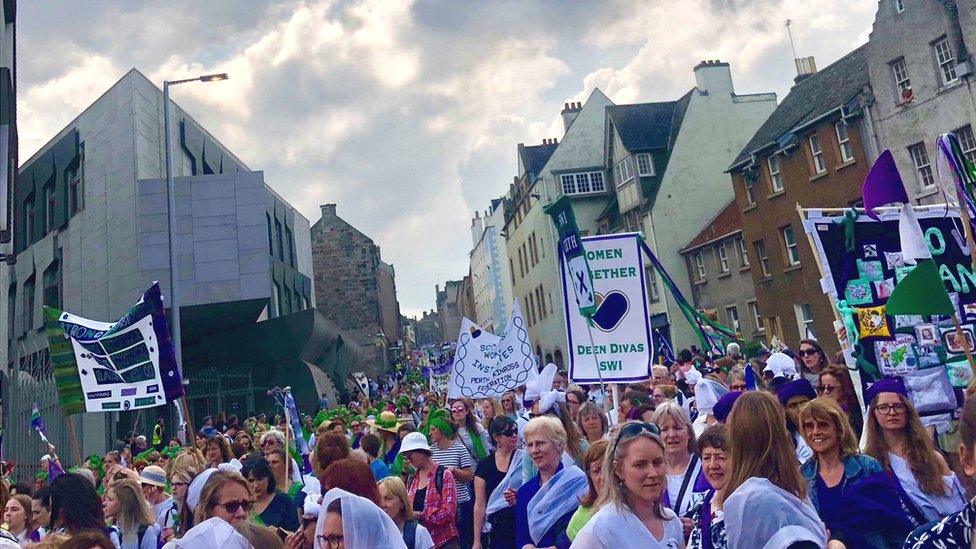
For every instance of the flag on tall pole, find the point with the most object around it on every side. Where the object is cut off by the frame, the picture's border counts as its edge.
(37, 423)
(571, 246)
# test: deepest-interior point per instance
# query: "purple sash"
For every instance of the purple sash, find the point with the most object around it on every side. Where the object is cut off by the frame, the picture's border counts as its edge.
(705, 520)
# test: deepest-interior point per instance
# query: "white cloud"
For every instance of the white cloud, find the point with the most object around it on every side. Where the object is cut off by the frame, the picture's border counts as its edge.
(406, 114)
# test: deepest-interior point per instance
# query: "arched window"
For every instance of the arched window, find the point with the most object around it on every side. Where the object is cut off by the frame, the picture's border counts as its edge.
(557, 358)
(548, 358)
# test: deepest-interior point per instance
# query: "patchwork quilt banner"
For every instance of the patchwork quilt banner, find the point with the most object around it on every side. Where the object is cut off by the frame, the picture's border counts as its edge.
(863, 262)
(111, 367)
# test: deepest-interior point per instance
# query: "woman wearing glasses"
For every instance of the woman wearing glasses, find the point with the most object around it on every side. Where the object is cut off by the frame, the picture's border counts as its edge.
(225, 495)
(632, 513)
(812, 359)
(835, 383)
(492, 478)
(766, 503)
(844, 484)
(348, 520)
(275, 439)
(510, 405)
(685, 481)
(897, 439)
(471, 433)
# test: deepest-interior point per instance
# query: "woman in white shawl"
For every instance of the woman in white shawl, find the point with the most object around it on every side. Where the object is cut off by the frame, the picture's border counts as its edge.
(767, 504)
(355, 521)
(631, 513)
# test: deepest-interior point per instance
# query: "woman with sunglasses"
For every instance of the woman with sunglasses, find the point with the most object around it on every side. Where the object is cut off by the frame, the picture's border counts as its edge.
(494, 476)
(510, 405)
(897, 439)
(632, 513)
(765, 502)
(835, 383)
(812, 359)
(473, 436)
(225, 495)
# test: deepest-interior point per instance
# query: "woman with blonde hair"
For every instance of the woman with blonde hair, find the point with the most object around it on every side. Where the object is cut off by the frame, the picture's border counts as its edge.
(182, 470)
(686, 484)
(632, 513)
(396, 504)
(836, 475)
(224, 495)
(897, 439)
(134, 523)
(765, 500)
(490, 407)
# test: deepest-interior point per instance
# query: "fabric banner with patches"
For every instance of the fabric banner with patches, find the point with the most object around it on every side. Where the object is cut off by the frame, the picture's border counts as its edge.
(485, 365)
(865, 260)
(112, 367)
(439, 383)
(620, 330)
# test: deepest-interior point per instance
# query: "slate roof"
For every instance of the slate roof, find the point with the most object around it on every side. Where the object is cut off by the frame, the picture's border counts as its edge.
(725, 223)
(534, 157)
(834, 86)
(643, 126)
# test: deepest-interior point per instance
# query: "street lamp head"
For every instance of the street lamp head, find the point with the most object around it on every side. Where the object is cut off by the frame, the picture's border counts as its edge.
(214, 77)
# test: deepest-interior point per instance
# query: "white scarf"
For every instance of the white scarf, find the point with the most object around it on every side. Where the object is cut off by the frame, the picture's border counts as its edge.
(512, 480)
(554, 499)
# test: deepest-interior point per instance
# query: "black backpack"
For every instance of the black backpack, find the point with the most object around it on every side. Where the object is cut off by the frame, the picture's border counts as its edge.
(438, 478)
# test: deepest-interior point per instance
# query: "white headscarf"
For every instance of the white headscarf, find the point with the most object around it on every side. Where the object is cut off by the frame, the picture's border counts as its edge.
(761, 515)
(215, 533)
(781, 365)
(539, 388)
(707, 393)
(364, 525)
(195, 489)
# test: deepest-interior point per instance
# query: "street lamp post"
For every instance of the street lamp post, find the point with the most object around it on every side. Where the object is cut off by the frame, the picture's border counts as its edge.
(174, 301)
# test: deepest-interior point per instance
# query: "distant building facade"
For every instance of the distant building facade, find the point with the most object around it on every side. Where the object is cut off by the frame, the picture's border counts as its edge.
(354, 287)
(449, 301)
(814, 150)
(491, 280)
(718, 265)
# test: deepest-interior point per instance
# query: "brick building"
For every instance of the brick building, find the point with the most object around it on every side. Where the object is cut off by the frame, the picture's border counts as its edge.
(449, 309)
(813, 151)
(719, 270)
(353, 286)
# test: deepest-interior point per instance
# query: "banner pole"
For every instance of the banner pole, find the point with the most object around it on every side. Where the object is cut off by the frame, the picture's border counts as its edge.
(844, 345)
(596, 361)
(191, 434)
(75, 450)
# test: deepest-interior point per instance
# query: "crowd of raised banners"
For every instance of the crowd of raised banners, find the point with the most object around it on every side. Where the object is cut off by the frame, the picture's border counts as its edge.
(474, 444)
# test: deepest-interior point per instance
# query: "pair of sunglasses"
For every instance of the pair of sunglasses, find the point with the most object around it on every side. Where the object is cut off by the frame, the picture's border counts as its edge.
(233, 506)
(632, 430)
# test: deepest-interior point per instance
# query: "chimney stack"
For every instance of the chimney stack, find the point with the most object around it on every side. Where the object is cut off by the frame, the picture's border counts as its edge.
(328, 210)
(569, 113)
(713, 77)
(805, 68)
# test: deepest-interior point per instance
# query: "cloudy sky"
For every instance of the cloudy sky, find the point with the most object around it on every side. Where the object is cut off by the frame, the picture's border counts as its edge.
(406, 113)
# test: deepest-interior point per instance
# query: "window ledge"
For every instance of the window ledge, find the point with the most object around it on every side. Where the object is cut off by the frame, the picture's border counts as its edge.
(702, 281)
(745, 268)
(765, 279)
(775, 194)
(949, 87)
(726, 274)
(820, 175)
(792, 268)
(847, 164)
(926, 192)
(750, 207)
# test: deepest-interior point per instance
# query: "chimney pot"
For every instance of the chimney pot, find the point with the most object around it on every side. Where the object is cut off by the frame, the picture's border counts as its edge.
(566, 106)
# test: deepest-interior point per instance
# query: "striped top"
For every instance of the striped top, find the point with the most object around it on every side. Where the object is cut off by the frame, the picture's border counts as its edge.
(456, 455)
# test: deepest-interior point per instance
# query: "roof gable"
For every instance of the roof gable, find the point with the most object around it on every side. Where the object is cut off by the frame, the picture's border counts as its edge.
(533, 158)
(833, 87)
(725, 223)
(643, 126)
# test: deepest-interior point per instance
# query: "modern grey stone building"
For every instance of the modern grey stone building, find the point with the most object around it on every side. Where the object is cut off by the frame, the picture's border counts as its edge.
(90, 235)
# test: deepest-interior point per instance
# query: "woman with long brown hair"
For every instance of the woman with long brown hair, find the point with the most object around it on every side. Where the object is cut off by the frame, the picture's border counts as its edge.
(834, 382)
(134, 523)
(897, 439)
(765, 498)
(811, 359)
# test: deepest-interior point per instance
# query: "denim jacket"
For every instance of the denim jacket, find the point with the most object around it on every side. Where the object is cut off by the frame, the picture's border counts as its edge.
(856, 468)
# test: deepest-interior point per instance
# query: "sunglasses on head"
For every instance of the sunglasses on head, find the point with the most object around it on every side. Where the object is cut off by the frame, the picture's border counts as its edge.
(632, 430)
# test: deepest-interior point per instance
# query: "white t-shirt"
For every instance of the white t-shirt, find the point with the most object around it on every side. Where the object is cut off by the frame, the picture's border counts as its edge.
(613, 527)
(422, 539)
(166, 513)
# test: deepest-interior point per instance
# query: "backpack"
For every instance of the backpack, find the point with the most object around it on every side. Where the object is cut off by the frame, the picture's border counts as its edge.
(438, 478)
(410, 533)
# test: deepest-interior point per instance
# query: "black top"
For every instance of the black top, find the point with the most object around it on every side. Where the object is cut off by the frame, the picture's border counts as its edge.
(418, 500)
(503, 521)
(280, 512)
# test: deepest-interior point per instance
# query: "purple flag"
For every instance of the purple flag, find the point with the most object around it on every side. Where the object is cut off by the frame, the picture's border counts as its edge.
(883, 185)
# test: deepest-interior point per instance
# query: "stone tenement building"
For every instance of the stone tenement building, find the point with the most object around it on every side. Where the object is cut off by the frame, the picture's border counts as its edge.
(354, 287)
